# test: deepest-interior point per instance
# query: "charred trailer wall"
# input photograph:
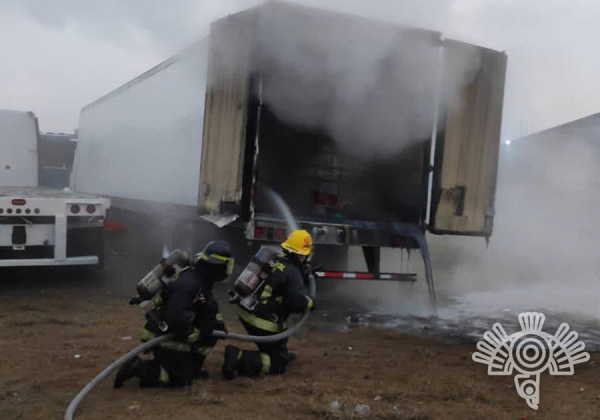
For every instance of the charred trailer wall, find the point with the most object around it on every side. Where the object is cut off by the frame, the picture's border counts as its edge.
(345, 115)
(467, 151)
(336, 113)
(322, 182)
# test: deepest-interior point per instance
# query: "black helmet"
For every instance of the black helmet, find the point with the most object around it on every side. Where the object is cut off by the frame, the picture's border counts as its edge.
(216, 253)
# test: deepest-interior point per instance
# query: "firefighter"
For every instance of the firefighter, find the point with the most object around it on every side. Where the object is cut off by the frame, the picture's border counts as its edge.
(190, 311)
(282, 295)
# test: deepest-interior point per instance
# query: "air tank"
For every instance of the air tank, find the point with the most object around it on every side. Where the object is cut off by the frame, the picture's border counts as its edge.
(257, 270)
(163, 273)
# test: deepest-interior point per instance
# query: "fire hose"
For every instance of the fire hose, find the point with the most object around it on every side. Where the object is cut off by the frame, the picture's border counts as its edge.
(154, 342)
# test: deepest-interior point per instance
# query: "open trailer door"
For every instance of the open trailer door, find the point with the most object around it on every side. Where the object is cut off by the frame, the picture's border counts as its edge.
(225, 116)
(467, 147)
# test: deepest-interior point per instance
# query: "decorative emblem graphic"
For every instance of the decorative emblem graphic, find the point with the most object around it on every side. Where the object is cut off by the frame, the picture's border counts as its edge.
(530, 352)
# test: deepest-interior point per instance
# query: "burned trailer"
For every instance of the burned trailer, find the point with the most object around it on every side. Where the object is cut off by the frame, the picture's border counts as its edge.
(372, 133)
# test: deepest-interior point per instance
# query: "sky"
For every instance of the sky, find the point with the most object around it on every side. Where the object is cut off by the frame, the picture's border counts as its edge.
(57, 57)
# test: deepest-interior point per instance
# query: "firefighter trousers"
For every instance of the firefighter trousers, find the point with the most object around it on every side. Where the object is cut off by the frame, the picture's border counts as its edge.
(269, 359)
(171, 367)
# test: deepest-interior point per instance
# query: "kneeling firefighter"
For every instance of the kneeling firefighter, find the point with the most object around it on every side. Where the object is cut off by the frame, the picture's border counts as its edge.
(280, 294)
(186, 308)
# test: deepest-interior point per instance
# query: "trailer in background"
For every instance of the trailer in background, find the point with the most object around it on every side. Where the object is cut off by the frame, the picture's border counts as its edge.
(42, 226)
(56, 152)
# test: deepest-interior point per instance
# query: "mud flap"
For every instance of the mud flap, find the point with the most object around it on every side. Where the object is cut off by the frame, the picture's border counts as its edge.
(19, 236)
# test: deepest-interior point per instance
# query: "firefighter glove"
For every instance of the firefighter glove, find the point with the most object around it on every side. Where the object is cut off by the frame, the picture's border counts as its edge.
(136, 300)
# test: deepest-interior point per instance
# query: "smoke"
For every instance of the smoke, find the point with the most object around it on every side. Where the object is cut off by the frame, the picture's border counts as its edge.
(134, 22)
(369, 85)
(545, 251)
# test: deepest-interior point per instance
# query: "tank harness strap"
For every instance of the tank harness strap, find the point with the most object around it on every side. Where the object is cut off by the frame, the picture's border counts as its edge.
(267, 292)
(157, 299)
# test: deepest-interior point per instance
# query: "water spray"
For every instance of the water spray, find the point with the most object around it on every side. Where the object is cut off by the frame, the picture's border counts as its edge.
(283, 209)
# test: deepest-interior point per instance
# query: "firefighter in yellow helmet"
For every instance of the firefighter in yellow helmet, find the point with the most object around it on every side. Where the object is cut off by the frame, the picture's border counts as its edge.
(282, 294)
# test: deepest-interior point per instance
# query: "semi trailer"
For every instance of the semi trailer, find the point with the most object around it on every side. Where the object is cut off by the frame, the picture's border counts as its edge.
(42, 226)
(372, 133)
(56, 152)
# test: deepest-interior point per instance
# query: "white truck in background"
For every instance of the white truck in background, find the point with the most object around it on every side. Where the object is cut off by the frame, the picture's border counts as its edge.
(41, 226)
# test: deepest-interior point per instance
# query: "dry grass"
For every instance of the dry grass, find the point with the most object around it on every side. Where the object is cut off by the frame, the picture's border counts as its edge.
(412, 378)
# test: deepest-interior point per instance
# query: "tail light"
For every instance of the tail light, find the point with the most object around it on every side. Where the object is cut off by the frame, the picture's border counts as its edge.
(75, 209)
(258, 232)
(398, 241)
(406, 242)
(324, 199)
(19, 202)
(90, 208)
(279, 234)
(112, 226)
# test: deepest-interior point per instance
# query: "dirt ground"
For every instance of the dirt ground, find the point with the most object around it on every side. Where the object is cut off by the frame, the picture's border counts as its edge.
(398, 376)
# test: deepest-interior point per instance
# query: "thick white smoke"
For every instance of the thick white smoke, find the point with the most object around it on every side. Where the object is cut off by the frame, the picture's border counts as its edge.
(545, 251)
(370, 85)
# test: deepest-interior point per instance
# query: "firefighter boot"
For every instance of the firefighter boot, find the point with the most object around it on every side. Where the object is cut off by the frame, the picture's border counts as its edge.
(200, 373)
(129, 370)
(231, 362)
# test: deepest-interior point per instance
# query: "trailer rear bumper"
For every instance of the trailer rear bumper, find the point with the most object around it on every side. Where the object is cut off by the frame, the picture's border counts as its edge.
(347, 233)
(347, 275)
(41, 262)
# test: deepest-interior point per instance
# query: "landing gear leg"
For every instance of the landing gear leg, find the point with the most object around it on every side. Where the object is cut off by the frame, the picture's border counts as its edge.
(422, 241)
(373, 259)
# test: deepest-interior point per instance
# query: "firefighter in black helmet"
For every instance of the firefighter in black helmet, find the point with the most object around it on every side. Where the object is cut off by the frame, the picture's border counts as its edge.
(190, 311)
(282, 295)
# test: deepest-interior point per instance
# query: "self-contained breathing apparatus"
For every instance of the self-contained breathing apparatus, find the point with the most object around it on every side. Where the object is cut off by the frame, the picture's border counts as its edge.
(248, 286)
(151, 286)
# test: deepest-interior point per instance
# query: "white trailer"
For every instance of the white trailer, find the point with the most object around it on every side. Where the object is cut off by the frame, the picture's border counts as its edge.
(200, 136)
(41, 226)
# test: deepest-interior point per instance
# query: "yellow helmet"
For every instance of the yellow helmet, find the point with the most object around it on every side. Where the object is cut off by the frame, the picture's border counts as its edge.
(299, 242)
